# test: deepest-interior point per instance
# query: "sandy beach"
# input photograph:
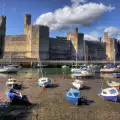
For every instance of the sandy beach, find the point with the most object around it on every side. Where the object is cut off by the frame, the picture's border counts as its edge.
(50, 104)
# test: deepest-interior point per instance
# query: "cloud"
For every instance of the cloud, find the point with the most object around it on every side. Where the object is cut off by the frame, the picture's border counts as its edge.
(112, 31)
(93, 36)
(70, 16)
(89, 37)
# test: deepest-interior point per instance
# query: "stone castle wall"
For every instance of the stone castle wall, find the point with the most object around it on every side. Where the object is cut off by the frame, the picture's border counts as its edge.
(35, 43)
(59, 49)
(15, 45)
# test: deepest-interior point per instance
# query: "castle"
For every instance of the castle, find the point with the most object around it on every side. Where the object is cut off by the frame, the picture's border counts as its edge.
(35, 43)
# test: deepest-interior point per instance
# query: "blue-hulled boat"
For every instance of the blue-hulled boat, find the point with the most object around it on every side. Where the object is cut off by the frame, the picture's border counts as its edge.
(117, 75)
(110, 94)
(73, 96)
(110, 68)
(16, 98)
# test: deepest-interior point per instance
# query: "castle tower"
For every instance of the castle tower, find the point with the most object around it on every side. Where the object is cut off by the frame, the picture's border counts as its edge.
(110, 47)
(2, 34)
(27, 22)
(77, 40)
(76, 30)
(105, 34)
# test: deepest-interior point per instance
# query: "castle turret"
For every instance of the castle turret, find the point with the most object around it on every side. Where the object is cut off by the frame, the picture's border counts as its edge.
(76, 30)
(27, 22)
(105, 34)
(2, 34)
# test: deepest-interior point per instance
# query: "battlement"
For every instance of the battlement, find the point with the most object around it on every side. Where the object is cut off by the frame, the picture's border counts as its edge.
(27, 19)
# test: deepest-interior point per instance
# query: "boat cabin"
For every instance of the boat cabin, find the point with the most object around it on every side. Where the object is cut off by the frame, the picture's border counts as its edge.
(110, 92)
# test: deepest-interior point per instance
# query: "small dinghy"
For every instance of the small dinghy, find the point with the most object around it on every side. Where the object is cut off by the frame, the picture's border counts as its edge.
(110, 94)
(78, 84)
(13, 84)
(117, 75)
(17, 98)
(73, 96)
(114, 84)
(44, 82)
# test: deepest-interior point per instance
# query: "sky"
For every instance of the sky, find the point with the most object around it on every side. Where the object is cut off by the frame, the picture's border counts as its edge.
(92, 17)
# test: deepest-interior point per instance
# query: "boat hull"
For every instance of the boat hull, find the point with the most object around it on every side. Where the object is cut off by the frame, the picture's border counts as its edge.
(72, 100)
(110, 98)
(109, 70)
(78, 86)
(80, 74)
(9, 70)
(23, 101)
(117, 75)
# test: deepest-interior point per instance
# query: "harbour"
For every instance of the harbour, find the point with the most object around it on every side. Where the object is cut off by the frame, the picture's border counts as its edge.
(49, 103)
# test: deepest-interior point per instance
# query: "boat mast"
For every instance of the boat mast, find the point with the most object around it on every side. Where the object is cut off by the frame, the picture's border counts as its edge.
(40, 65)
(84, 53)
(114, 56)
(76, 58)
(10, 51)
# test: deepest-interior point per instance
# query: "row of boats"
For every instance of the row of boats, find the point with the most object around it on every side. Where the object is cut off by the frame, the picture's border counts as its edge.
(111, 93)
(89, 71)
(73, 95)
(15, 97)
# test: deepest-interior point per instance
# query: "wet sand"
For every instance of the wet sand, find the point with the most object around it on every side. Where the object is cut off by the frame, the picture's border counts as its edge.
(50, 104)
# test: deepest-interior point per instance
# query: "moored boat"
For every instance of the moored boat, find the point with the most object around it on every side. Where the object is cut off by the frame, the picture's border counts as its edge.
(44, 82)
(17, 98)
(12, 83)
(110, 94)
(9, 68)
(110, 68)
(117, 75)
(82, 73)
(73, 96)
(114, 84)
(78, 84)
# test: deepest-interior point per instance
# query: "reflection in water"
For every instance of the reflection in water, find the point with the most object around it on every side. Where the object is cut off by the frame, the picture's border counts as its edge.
(3, 75)
(106, 75)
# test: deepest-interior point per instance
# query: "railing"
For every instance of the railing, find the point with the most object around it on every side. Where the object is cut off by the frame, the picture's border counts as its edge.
(19, 60)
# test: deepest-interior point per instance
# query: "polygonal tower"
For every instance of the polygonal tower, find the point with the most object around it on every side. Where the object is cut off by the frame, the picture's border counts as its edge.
(27, 22)
(2, 34)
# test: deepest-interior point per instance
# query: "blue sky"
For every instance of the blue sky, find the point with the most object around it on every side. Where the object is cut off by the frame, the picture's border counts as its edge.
(107, 21)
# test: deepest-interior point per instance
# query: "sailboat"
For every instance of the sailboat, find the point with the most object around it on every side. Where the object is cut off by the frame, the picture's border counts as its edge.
(111, 68)
(9, 68)
(82, 71)
(43, 81)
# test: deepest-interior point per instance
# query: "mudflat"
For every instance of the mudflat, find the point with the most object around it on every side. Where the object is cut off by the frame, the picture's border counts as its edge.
(50, 104)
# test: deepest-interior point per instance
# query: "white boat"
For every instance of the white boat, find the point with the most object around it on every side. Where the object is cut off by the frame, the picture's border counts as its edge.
(110, 94)
(109, 68)
(9, 68)
(43, 82)
(95, 68)
(77, 84)
(12, 83)
(81, 73)
(65, 66)
(113, 84)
